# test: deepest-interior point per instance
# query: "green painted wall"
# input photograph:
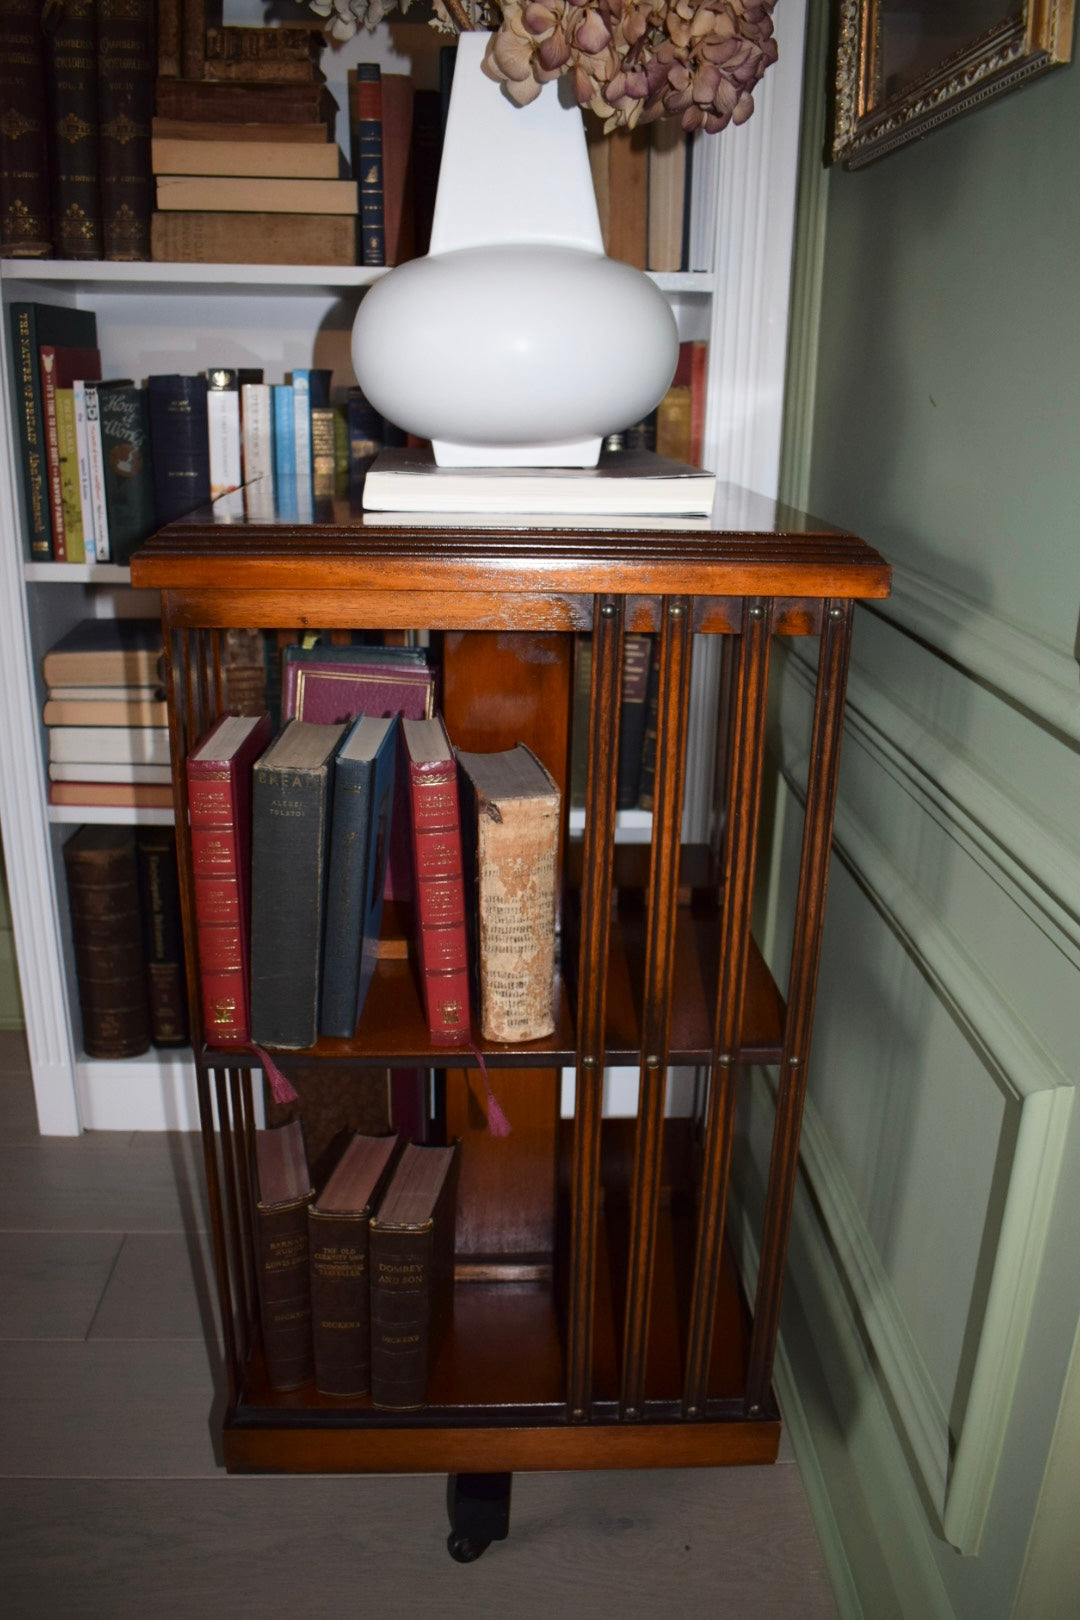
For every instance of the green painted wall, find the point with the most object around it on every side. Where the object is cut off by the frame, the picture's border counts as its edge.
(934, 407)
(10, 1004)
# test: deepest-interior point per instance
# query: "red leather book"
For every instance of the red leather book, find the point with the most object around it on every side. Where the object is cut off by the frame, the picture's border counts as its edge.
(439, 879)
(332, 685)
(59, 369)
(219, 804)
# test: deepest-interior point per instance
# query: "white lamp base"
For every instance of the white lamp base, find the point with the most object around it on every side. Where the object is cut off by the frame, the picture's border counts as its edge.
(515, 342)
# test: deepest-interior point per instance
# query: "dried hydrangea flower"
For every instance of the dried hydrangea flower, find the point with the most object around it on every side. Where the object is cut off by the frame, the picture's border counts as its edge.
(632, 61)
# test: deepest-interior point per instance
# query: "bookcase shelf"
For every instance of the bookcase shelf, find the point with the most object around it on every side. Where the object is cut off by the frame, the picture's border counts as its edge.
(614, 1334)
(79, 275)
(108, 816)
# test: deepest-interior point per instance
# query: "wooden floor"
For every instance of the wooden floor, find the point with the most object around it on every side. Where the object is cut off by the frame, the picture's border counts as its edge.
(113, 1504)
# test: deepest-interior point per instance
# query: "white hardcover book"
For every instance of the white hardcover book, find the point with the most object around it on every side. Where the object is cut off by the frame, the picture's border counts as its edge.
(625, 483)
(79, 389)
(257, 431)
(223, 426)
(96, 771)
(109, 745)
(95, 456)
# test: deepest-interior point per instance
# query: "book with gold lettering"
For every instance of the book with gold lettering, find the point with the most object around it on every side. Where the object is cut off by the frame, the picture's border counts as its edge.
(412, 1275)
(219, 805)
(281, 1254)
(338, 1223)
(438, 878)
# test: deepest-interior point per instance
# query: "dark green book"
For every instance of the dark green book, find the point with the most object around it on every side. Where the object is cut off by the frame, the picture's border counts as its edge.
(129, 486)
(31, 326)
(290, 834)
(359, 844)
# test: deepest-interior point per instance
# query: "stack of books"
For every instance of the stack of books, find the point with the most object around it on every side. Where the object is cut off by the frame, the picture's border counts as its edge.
(355, 1284)
(246, 167)
(107, 717)
(627, 487)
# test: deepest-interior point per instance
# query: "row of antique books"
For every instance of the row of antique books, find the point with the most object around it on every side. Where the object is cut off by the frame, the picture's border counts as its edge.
(87, 89)
(124, 905)
(323, 822)
(355, 1282)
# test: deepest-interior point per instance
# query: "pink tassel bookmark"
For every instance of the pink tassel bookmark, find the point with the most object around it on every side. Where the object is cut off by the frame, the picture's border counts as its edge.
(497, 1122)
(280, 1088)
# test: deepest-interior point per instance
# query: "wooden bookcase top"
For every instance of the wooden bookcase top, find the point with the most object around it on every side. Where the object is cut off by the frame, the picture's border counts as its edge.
(752, 546)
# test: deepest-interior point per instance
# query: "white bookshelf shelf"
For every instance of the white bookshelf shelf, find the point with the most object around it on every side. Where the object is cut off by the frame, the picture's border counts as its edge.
(109, 815)
(58, 573)
(97, 275)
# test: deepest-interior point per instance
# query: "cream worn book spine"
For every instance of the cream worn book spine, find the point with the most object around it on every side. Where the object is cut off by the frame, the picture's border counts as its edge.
(515, 823)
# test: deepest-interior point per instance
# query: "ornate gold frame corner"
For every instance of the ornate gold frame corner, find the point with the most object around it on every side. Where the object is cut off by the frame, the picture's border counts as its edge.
(867, 125)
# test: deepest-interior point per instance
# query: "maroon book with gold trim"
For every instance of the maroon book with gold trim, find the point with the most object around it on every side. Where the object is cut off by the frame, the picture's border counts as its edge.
(439, 879)
(219, 802)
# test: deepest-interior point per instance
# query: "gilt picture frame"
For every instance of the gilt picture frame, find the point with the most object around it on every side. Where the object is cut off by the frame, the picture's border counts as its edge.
(904, 67)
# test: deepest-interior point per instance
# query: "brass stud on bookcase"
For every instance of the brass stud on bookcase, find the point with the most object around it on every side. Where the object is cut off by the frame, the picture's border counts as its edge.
(836, 613)
(676, 610)
(757, 612)
(608, 610)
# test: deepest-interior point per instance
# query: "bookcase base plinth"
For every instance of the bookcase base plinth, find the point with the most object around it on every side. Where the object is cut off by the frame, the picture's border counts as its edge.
(261, 1448)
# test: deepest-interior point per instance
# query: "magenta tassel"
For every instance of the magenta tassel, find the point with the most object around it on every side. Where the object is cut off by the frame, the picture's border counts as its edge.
(497, 1122)
(280, 1088)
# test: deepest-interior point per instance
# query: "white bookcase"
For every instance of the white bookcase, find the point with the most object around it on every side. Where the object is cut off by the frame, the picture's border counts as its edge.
(156, 318)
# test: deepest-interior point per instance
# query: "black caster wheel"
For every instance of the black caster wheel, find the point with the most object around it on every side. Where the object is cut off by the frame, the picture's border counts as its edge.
(464, 1551)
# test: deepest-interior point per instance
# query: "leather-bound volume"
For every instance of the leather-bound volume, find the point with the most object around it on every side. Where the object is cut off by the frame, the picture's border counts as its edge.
(205, 101)
(169, 32)
(243, 49)
(412, 1275)
(281, 1254)
(338, 1223)
(439, 880)
(511, 806)
(163, 937)
(106, 929)
(71, 57)
(219, 806)
(126, 71)
(290, 832)
(365, 121)
(179, 444)
(25, 214)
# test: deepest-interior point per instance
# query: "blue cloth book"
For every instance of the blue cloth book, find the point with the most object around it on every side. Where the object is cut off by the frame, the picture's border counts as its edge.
(301, 387)
(359, 843)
